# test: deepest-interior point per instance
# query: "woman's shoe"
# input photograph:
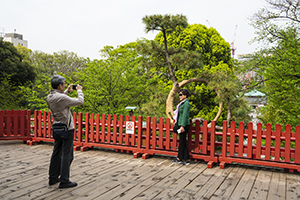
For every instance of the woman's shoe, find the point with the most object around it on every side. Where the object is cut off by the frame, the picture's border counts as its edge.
(176, 160)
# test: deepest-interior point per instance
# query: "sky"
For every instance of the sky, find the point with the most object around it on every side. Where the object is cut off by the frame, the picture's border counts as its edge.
(85, 27)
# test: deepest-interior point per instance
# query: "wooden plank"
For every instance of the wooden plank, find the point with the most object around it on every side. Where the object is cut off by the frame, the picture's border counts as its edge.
(292, 186)
(260, 188)
(277, 186)
(228, 186)
(180, 190)
(149, 178)
(213, 184)
(116, 175)
(107, 189)
(245, 185)
(201, 180)
(39, 177)
(167, 182)
(105, 181)
(83, 176)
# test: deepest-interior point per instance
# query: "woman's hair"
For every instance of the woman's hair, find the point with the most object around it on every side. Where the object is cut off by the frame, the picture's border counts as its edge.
(56, 80)
(184, 92)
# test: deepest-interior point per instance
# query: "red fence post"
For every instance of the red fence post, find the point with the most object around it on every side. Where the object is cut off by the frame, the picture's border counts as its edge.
(148, 129)
(28, 129)
(224, 144)
(224, 140)
(2, 125)
(297, 145)
(249, 143)
(91, 130)
(232, 139)
(97, 127)
(8, 122)
(268, 141)
(153, 138)
(49, 131)
(168, 127)
(79, 135)
(121, 129)
(204, 138)
(22, 122)
(86, 132)
(115, 129)
(140, 130)
(103, 128)
(212, 143)
(197, 136)
(126, 135)
(277, 142)
(258, 141)
(132, 139)
(241, 139)
(287, 148)
(161, 133)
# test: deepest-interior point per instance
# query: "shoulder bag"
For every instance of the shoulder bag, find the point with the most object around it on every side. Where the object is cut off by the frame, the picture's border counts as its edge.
(60, 130)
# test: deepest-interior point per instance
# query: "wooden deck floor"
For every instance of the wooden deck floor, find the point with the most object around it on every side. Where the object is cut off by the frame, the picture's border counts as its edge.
(103, 174)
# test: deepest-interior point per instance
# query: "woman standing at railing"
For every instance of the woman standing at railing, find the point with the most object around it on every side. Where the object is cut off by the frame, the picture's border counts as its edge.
(182, 126)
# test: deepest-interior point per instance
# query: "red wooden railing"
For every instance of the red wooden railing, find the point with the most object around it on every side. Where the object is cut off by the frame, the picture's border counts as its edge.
(263, 147)
(15, 125)
(109, 132)
(258, 150)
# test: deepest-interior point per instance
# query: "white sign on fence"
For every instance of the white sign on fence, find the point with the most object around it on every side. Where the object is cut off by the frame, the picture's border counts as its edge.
(129, 127)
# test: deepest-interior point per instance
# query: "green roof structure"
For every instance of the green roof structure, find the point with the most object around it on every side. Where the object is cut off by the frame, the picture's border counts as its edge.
(255, 93)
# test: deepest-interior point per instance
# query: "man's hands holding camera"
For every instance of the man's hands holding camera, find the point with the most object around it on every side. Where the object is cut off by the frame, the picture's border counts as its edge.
(73, 87)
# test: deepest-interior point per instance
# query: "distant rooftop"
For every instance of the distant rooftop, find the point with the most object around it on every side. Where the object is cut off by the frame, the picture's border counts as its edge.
(14, 35)
(255, 93)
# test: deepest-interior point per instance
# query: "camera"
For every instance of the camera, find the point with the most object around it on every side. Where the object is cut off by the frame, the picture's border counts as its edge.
(74, 87)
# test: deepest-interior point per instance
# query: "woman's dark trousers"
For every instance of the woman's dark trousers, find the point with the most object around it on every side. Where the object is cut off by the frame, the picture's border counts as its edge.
(183, 151)
(61, 159)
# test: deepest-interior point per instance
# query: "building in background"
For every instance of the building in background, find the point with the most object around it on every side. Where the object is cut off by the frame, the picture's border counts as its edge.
(16, 39)
(256, 99)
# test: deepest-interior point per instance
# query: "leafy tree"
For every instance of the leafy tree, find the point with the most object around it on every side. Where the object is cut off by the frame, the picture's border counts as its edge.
(114, 82)
(10, 95)
(187, 54)
(13, 66)
(46, 65)
(277, 63)
(59, 62)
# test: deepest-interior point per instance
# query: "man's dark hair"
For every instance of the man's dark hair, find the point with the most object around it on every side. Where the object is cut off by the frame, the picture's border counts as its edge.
(184, 92)
(56, 80)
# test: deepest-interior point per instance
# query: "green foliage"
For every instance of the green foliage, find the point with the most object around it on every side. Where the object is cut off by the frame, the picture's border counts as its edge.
(155, 104)
(10, 95)
(196, 51)
(164, 23)
(12, 65)
(35, 94)
(277, 65)
(114, 82)
(63, 62)
(49, 64)
(207, 42)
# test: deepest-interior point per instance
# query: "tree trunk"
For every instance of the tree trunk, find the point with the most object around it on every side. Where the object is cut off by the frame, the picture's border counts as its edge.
(174, 91)
(228, 112)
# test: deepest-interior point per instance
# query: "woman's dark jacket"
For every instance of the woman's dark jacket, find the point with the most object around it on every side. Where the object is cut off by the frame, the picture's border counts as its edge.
(184, 113)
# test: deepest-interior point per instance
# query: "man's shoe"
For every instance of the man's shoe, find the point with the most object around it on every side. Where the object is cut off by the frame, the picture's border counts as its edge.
(67, 185)
(52, 182)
